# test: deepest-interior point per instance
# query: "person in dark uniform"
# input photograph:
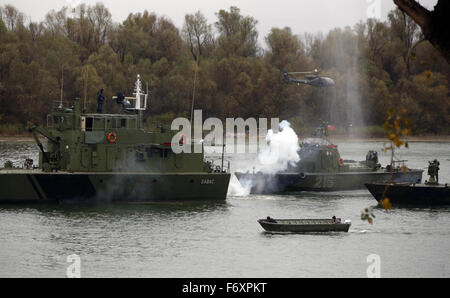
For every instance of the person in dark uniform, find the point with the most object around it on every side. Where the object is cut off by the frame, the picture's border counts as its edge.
(100, 99)
(433, 172)
(269, 219)
(437, 164)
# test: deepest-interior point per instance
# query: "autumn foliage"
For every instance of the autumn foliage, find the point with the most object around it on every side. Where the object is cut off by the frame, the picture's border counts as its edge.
(376, 66)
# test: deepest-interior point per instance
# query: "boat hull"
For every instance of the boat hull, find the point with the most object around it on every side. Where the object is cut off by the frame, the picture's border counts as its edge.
(294, 227)
(287, 182)
(418, 194)
(38, 186)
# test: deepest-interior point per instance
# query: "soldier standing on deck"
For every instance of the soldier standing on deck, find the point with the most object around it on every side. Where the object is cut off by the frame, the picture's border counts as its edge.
(100, 99)
(436, 163)
(433, 171)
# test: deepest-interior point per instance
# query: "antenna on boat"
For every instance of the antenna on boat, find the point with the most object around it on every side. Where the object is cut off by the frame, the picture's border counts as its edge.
(138, 92)
(138, 102)
(223, 151)
(146, 95)
(193, 92)
(62, 85)
(85, 89)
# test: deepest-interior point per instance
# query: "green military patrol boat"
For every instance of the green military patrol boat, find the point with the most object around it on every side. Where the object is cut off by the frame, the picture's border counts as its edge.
(321, 168)
(110, 157)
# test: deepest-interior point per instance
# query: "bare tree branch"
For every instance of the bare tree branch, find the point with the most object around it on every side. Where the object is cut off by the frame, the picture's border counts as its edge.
(434, 24)
(417, 12)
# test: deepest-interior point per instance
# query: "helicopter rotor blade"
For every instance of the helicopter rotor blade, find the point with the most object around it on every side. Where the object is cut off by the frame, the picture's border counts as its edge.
(301, 72)
(313, 72)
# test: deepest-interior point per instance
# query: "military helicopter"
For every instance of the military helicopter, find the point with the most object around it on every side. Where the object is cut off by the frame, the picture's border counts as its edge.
(312, 78)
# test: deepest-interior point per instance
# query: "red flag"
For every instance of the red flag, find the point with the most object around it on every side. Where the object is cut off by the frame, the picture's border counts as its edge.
(330, 127)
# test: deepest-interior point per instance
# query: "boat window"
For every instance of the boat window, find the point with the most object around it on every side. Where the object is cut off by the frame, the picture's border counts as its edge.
(123, 122)
(89, 123)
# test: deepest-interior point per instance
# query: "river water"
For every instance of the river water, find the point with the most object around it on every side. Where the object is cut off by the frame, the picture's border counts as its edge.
(203, 239)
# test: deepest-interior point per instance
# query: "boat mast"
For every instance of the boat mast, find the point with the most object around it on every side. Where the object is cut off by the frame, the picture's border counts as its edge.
(62, 85)
(85, 89)
(193, 91)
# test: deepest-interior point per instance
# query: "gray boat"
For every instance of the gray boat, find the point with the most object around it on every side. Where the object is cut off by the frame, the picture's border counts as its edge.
(304, 225)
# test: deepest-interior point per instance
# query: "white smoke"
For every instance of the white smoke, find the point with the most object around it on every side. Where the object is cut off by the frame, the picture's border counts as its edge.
(280, 153)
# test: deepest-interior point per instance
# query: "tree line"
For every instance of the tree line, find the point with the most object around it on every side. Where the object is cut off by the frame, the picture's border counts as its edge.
(377, 66)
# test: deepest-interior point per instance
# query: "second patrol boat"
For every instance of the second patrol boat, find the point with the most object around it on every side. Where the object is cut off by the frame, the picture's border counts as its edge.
(321, 168)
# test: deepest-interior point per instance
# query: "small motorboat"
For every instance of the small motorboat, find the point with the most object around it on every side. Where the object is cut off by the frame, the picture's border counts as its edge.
(304, 225)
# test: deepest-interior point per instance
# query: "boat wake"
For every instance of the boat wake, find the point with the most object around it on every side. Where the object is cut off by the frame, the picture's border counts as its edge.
(238, 189)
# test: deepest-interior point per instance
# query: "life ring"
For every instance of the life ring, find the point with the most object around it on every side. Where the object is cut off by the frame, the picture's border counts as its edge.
(183, 139)
(340, 161)
(112, 137)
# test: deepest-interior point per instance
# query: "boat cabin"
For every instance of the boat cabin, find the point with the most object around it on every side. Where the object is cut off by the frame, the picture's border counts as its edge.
(97, 142)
